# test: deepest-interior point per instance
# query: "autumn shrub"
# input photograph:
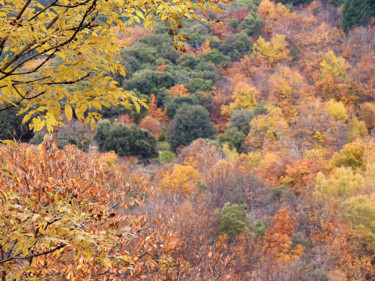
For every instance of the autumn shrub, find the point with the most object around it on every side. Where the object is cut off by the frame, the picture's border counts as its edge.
(182, 179)
(337, 110)
(360, 211)
(367, 113)
(342, 183)
(357, 129)
(58, 207)
(152, 125)
(351, 155)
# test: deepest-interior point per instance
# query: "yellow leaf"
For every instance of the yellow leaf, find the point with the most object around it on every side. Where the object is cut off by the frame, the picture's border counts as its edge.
(68, 112)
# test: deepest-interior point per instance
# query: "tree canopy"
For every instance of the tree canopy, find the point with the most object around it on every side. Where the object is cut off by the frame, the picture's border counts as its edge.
(48, 46)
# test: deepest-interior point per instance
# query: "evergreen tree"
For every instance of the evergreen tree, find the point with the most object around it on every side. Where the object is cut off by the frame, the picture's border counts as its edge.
(190, 123)
(357, 12)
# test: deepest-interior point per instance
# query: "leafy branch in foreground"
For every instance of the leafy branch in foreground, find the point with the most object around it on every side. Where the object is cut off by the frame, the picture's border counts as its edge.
(45, 48)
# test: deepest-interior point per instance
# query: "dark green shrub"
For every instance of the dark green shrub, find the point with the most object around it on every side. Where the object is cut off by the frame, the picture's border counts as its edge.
(130, 141)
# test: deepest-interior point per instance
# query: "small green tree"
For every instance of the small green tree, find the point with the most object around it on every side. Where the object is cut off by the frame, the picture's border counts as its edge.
(190, 123)
(234, 138)
(174, 103)
(130, 141)
(232, 219)
(103, 128)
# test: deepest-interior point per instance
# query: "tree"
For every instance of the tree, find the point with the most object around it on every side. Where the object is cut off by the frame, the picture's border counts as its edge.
(174, 103)
(232, 219)
(57, 209)
(129, 141)
(357, 12)
(189, 123)
(234, 138)
(42, 49)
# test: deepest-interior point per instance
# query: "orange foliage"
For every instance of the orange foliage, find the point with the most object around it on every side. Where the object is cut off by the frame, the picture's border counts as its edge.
(161, 68)
(152, 125)
(125, 119)
(179, 90)
(156, 112)
(278, 239)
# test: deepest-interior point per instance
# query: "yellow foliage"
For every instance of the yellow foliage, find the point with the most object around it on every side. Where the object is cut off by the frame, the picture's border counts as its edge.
(272, 10)
(242, 99)
(285, 82)
(271, 126)
(274, 51)
(351, 155)
(357, 129)
(231, 154)
(342, 183)
(337, 110)
(318, 153)
(331, 65)
(254, 158)
(182, 179)
(75, 43)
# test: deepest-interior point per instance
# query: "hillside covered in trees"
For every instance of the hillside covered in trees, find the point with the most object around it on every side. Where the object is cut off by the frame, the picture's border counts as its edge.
(251, 156)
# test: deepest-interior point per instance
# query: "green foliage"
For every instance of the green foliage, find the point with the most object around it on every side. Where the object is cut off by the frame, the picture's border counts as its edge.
(234, 138)
(188, 61)
(216, 57)
(294, 2)
(190, 123)
(162, 136)
(360, 211)
(103, 128)
(253, 24)
(234, 46)
(336, 3)
(166, 156)
(241, 118)
(125, 141)
(130, 141)
(277, 192)
(258, 228)
(357, 12)
(37, 138)
(298, 239)
(148, 81)
(232, 219)
(174, 103)
(11, 125)
(198, 85)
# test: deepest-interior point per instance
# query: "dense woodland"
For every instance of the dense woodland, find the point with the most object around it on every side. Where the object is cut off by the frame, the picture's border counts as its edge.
(254, 159)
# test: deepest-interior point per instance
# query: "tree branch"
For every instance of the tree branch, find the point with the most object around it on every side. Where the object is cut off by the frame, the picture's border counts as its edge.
(33, 255)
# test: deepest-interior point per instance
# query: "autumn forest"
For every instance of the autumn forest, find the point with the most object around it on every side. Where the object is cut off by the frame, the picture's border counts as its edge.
(187, 140)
